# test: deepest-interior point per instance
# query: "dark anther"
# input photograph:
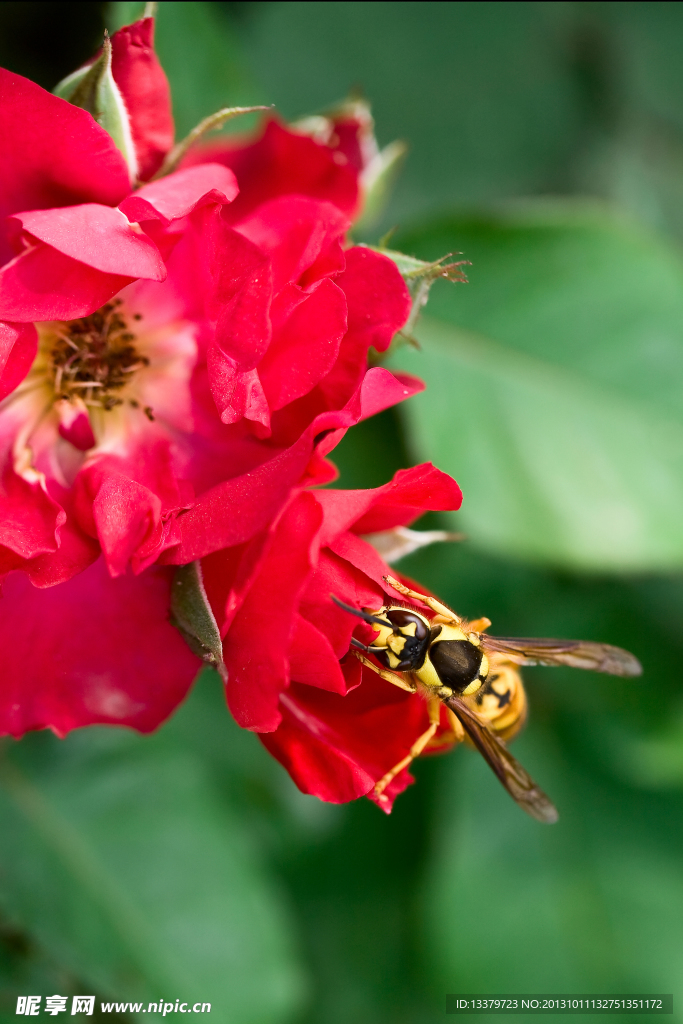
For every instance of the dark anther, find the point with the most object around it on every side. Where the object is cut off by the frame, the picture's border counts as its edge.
(95, 357)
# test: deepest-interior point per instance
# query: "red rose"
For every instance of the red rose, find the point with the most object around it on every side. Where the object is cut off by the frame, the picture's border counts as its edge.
(172, 373)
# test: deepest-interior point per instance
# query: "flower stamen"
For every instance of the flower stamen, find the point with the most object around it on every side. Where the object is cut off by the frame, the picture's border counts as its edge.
(94, 358)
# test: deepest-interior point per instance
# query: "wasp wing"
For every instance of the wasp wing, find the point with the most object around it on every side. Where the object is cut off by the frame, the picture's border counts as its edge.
(516, 779)
(575, 653)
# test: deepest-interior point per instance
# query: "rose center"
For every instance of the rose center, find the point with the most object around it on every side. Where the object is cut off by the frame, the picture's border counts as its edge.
(94, 358)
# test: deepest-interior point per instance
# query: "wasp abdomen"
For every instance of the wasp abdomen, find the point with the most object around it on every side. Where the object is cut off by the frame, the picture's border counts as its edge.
(458, 663)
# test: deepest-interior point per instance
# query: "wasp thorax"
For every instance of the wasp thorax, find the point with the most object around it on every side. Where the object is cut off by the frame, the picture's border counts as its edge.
(459, 664)
(93, 359)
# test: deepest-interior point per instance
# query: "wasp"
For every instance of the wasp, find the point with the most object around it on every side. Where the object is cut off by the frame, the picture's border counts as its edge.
(454, 662)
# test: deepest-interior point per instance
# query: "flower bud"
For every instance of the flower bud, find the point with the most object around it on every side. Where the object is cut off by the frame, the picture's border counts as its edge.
(93, 88)
(349, 129)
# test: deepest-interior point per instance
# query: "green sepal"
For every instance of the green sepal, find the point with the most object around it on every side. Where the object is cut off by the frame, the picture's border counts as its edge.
(208, 124)
(191, 613)
(93, 88)
(419, 277)
(377, 182)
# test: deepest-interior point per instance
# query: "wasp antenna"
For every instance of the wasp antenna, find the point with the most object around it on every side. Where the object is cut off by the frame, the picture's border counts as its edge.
(359, 645)
(365, 616)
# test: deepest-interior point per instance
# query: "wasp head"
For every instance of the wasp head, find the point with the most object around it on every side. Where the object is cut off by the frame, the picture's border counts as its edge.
(405, 647)
(403, 635)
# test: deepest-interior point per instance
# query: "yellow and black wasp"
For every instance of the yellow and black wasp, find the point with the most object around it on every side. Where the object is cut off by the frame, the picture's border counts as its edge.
(456, 663)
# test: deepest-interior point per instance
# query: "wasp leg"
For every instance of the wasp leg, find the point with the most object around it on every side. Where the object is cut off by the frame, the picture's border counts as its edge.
(385, 673)
(431, 602)
(456, 726)
(434, 709)
(479, 625)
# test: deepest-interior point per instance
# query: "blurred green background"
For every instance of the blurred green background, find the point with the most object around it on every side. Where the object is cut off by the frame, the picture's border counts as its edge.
(546, 144)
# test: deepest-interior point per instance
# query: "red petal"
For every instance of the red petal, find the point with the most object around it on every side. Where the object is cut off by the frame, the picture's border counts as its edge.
(235, 510)
(382, 389)
(141, 79)
(131, 503)
(316, 765)
(43, 284)
(53, 154)
(378, 306)
(379, 390)
(230, 257)
(296, 232)
(237, 394)
(124, 512)
(29, 518)
(98, 236)
(305, 346)
(18, 346)
(74, 427)
(312, 659)
(379, 301)
(338, 747)
(256, 647)
(282, 162)
(335, 576)
(228, 574)
(410, 493)
(177, 195)
(363, 556)
(243, 331)
(75, 553)
(93, 650)
(354, 138)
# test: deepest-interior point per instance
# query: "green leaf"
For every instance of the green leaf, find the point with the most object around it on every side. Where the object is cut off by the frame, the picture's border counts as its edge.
(119, 858)
(554, 386)
(593, 903)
